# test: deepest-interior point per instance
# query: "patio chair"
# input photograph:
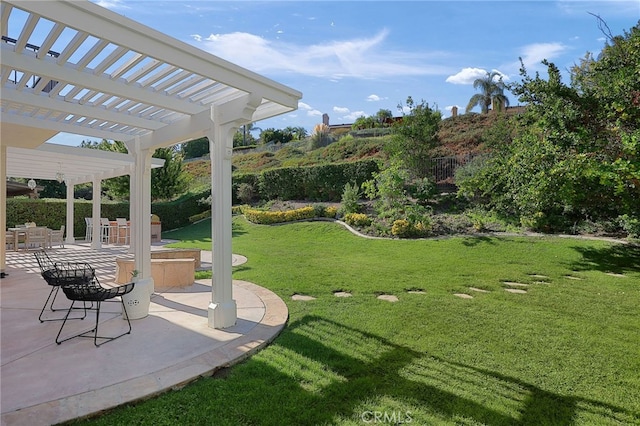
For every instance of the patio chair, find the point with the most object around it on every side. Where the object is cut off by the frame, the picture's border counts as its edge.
(93, 291)
(57, 274)
(105, 229)
(10, 240)
(36, 236)
(124, 227)
(88, 229)
(56, 236)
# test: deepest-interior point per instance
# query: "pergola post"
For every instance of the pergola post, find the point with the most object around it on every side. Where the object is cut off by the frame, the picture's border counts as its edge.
(96, 239)
(140, 232)
(3, 208)
(70, 239)
(222, 310)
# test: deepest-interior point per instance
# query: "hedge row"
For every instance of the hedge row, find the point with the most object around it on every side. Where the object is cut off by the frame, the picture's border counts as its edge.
(52, 213)
(316, 183)
(269, 217)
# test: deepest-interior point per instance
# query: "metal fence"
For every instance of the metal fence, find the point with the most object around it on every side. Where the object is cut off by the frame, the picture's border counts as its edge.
(443, 170)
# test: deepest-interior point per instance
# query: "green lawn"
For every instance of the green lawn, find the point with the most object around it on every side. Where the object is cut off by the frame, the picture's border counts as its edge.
(566, 352)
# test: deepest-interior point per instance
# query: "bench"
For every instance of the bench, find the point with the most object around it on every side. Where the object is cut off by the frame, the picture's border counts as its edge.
(166, 273)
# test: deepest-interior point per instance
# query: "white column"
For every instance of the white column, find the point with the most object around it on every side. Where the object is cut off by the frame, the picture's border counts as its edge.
(96, 239)
(222, 310)
(132, 209)
(140, 223)
(3, 209)
(70, 239)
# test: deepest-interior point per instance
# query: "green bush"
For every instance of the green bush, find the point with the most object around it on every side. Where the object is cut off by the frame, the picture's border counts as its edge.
(350, 199)
(267, 217)
(357, 219)
(320, 183)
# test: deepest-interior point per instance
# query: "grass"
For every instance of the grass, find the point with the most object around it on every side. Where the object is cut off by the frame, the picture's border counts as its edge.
(564, 353)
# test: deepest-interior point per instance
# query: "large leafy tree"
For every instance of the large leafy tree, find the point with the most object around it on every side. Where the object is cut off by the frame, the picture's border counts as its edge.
(415, 136)
(196, 148)
(166, 182)
(491, 93)
(577, 152)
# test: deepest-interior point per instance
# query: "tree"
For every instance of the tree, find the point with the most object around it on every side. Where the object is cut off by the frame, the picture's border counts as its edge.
(298, 133)
(272, 135)
(168, 180)
(383, 116)
(117, 187)
(576, 155)
(415, 136)
(196, 148)
(364, 122)
(492, 93)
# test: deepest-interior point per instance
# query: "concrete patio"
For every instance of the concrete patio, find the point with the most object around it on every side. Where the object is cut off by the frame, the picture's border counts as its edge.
(43, 383)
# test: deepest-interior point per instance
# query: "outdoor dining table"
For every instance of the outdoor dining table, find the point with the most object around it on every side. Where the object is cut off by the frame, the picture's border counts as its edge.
(22, 232)
(17, 232)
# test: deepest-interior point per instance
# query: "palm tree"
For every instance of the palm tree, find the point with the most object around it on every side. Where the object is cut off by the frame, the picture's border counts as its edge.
(492, 88)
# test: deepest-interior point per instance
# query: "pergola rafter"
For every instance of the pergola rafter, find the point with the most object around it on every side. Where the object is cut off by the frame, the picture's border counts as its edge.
(72, 66)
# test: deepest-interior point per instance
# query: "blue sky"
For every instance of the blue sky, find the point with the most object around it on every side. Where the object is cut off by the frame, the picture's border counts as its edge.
(353, 58)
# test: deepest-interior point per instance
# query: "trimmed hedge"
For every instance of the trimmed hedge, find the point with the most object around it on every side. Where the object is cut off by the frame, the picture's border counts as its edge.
(52, 212)
(264, 217)
(319, 183)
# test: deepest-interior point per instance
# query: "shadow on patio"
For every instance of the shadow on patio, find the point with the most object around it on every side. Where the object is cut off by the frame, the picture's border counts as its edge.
(46, 383)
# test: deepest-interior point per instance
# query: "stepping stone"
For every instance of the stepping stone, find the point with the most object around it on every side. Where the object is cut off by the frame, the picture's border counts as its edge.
(538, 276)
(342, 294)
(388, 297)
(541, 282)
(512, 284)
(302, 297)
(463, 295)
(571, 277)
(416, 292)
(613, 274)
(479, 290)
(515, 290)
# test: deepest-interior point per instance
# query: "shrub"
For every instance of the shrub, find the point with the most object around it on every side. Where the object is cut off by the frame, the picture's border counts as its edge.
(267, 217)
(357, 219)
(404, 228)
(631, 225)
(330, 212)
(245, 192)
(350, 199)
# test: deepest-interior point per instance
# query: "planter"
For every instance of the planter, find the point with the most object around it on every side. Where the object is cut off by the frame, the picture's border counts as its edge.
(138, 300)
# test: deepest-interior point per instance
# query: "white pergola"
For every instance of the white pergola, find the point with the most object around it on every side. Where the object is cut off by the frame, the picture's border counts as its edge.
(75, 67)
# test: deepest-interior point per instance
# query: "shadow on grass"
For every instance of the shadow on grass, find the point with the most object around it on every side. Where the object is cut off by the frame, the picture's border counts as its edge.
(476, 241)
(322, 372)
(619, 258)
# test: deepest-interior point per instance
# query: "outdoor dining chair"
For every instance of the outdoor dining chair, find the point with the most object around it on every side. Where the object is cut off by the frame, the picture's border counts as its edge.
(57, 274)
(93, 291)
(56, 236)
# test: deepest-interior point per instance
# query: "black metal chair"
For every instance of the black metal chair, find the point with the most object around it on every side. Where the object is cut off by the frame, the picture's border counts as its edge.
(93, 291)
(57, 274)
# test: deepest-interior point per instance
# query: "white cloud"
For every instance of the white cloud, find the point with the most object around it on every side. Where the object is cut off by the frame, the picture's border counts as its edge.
(353, 116)
(310, 111)
(341, 110)
(374, 98)
(362, 58)
(469, 75)
(533, 54)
